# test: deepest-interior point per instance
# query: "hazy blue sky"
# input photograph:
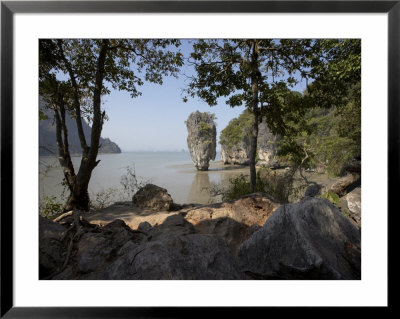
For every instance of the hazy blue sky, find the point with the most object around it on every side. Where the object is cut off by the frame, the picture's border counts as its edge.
(155, 120)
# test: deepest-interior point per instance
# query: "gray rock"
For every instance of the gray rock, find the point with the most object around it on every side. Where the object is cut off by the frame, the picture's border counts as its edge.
(173, 226)
(95, 250)
(313, 190)
(232, 231)
(306, 240)
(47, 134)
(52, 251)
(350, 204)
(187, 257)
(267, 146)
(202, 139)
(238, 154)
(153, 197)
(108, 146)
(145, 227)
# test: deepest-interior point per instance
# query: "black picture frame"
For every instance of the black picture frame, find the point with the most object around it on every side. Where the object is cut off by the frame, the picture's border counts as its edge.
(9, 8)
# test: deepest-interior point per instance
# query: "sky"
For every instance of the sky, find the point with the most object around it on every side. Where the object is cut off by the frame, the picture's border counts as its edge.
(155, 121)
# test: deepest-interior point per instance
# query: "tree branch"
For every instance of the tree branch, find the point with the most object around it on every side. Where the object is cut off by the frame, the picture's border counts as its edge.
(77, 105)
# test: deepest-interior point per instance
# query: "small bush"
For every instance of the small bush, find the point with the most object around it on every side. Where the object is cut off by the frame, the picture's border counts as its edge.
(104, 198)
(131, 183)
(278, 186)
(238, 187)
(50, 206)
(332, 197)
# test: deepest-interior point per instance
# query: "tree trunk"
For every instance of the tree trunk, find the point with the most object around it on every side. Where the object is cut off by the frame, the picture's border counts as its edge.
(253, 151)
(255, 76)
(79, 195)
(78, 198)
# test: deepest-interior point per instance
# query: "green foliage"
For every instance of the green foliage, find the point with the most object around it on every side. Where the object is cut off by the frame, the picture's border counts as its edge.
(42, 115)
(50, 206)
(236, 130)
(205, 125)
(323, 127)
(332, 197)
(280, 187)
(238, 187)
(206, 131)
(325, 138)
(337, 72)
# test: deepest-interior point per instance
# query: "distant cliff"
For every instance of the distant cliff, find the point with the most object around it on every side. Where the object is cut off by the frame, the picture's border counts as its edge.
(47, 136)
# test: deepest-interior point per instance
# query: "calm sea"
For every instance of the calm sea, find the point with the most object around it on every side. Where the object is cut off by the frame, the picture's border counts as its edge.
(172, 170)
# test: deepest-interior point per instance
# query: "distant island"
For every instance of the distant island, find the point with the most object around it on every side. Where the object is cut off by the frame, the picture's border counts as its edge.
(47, 136)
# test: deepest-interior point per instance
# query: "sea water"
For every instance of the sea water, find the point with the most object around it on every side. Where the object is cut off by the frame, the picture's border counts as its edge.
(174, 171)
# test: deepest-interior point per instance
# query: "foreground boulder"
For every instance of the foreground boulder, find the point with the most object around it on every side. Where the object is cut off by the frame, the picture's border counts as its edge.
(96, 247)
(306, 240)
(250, 209)
(153, 197)
(234, 221)
(172, 250)
(51, 247)
(202, 139)
(189, 257)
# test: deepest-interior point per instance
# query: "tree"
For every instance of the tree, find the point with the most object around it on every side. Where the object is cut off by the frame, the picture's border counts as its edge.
(74, 74)
(329, 133)
(256, 73)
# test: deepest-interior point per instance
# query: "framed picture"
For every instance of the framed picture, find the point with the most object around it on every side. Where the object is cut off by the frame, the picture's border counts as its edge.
(23, 23)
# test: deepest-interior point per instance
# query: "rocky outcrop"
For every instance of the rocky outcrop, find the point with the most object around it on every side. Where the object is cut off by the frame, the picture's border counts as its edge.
(176, 251)
(235, 140)
(306, 240)
(267, 147)
(248, 210)
(190, 257)
(201, 140)
(108, 146)
(173, 250)
(51, 247)
(153, 197)
(235, 143)
(237, 154)
(234, 221)
(47, 135)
